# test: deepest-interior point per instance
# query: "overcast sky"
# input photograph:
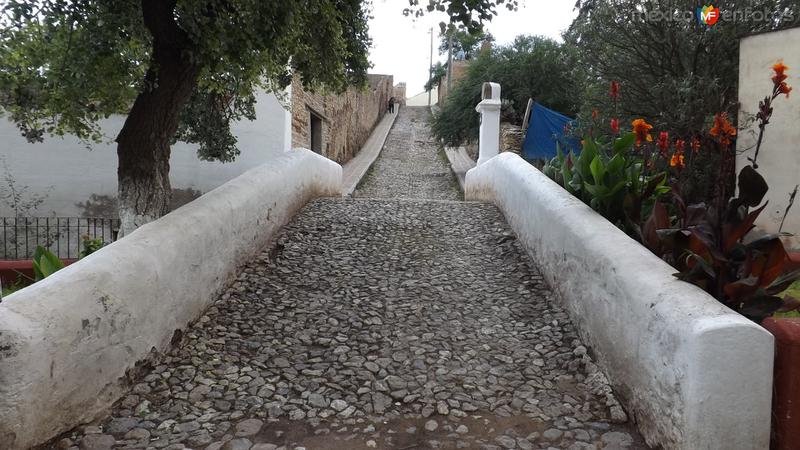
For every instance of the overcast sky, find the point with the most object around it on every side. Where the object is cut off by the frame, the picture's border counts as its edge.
(401, 45)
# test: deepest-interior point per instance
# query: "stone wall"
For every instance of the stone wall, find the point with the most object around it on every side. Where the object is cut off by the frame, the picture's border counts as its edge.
(779, 158)
(400, 93)
(347, 119)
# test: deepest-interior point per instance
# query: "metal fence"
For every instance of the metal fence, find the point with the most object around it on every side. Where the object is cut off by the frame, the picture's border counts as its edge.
(61, 235)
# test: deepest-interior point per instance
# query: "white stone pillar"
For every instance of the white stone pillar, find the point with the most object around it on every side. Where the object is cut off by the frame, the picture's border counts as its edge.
(489, 108)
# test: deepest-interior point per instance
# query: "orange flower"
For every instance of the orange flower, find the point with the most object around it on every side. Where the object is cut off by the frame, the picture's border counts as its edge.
(723, 129)
(677, 160)
(615, 125)
(783, 88)
(642, 130)
(779, 79)
(614, 90)
(779, 69)
(663, 143)
(594, 114)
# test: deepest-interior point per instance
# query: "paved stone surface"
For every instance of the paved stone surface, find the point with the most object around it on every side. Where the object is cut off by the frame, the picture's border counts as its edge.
(355, 169)
(410, 165)
(376, 323)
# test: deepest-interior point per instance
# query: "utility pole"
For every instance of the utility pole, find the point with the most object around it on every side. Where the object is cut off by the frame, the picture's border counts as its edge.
(449, 61)
(430, 67)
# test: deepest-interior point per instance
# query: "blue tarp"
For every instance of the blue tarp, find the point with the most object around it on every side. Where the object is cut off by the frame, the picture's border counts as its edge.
(546, 127)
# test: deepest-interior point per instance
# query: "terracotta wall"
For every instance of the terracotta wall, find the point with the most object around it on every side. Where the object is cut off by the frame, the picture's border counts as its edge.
(347, 119)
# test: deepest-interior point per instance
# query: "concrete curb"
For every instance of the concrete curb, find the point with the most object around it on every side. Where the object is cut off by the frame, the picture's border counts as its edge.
(69, 343)
(692, 373)
(355, 169)
(460, 163)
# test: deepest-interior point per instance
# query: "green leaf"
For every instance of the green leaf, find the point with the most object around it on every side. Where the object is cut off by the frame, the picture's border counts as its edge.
(37, 271)
(616, 165)
(597, 190)
(585, 159)
(624, 142)
(617, 187)
(45, 263)
(597, 169)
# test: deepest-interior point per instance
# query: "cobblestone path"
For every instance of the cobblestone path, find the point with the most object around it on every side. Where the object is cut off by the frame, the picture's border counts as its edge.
(410, 165)
(378, 323)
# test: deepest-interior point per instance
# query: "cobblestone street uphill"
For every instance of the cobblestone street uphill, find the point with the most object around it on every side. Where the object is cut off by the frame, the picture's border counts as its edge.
(401, 318)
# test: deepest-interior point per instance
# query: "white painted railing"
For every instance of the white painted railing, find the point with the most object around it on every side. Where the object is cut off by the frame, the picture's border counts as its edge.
(68, 342)
(692, 373)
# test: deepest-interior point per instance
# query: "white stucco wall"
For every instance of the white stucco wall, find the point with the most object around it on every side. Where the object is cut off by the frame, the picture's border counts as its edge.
(692, 373)
(779, 158)
(68, 172)
(67, 341)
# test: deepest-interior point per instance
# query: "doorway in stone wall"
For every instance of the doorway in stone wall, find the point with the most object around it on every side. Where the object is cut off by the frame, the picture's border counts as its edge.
(316, 133)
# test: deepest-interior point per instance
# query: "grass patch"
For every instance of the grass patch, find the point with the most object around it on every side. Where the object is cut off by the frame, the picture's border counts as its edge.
(794, 291)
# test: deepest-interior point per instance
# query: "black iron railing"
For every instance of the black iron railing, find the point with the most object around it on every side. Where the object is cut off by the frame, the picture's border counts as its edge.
(61, 235)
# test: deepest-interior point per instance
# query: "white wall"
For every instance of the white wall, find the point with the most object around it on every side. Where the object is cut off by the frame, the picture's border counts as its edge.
(779, 158)
(421, 99)
(692, 373)
(66, 342)
(75, 172)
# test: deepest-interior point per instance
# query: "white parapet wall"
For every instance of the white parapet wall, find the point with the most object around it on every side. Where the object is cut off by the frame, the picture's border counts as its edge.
(693, 374)
(68, 342)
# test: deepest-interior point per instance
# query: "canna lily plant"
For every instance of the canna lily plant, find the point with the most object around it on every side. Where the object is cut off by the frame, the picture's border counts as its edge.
(610, 178)
(630, 178)
(708, 243)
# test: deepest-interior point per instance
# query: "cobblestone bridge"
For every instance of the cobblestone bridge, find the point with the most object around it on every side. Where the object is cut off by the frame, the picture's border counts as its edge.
(402, 318)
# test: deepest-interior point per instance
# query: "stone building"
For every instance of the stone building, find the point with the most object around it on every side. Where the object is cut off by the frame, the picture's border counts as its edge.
(400, 93)
(458, 72)
(337, 125)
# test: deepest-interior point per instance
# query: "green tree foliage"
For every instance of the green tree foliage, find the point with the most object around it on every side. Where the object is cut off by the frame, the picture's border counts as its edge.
(463, 41)
(179, 68)
(469, 14)
(437, 73)
(674, 72)
(531, 67)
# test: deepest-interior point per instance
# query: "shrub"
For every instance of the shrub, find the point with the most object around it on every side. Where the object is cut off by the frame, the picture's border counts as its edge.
(90, 246)
(532, 67)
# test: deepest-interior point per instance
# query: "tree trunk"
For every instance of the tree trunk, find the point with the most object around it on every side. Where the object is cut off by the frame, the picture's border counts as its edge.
(143, 144)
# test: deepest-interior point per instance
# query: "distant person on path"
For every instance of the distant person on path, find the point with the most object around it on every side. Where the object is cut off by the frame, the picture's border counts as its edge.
(391, 105)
